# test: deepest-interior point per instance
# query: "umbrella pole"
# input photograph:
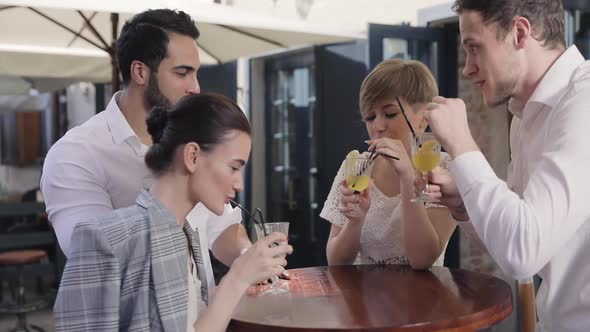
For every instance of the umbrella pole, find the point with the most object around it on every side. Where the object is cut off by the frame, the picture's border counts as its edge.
(115, 82)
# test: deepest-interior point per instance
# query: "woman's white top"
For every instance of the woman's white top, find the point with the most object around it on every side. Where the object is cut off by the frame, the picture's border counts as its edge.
(382, 240)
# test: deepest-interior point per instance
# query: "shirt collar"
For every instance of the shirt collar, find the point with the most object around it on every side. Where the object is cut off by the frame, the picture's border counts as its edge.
(146, 200)
(553, 84)
(118, 125)
(159, 215)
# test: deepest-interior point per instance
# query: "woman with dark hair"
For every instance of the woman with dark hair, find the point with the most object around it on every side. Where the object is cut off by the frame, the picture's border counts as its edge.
(140, 268)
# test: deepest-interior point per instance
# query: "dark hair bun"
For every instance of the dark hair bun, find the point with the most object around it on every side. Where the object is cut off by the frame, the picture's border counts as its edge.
(205, 119)
(156, 122)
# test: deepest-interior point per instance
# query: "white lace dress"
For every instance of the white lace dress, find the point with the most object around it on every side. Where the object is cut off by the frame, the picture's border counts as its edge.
(381, 236)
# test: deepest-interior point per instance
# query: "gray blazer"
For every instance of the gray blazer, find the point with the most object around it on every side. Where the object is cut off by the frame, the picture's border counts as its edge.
(127, 272)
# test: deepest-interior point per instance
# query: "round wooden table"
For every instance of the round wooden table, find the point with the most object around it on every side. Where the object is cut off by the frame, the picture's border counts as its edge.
(377, 298)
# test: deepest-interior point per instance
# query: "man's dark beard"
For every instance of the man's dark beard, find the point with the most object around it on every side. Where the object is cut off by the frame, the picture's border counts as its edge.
(153, 97)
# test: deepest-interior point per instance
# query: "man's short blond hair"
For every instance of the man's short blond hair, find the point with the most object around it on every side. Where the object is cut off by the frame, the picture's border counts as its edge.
(397, 78)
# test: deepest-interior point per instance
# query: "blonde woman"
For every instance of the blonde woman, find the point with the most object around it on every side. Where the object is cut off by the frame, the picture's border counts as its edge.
(382, 225)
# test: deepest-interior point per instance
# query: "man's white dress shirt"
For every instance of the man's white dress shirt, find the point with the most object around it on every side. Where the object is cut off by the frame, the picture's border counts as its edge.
(98, 167)
(539, 220)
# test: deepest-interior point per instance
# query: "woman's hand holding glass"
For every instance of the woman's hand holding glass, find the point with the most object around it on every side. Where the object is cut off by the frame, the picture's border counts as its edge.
(261, 261)
(354, 204)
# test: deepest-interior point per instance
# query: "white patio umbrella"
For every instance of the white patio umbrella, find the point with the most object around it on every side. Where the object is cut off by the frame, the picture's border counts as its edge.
(18, 85)
(74, 38)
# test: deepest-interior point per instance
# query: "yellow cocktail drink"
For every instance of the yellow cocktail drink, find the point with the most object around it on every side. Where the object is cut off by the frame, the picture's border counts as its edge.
(359, 183)
(426, 157)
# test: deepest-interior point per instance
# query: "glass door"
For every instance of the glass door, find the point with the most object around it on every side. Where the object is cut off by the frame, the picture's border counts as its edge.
(435, 47)
(291, 150)
(577, 25)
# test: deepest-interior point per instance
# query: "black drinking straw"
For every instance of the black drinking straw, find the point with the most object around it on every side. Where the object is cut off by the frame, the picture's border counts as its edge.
(252, 216)
(405, 116)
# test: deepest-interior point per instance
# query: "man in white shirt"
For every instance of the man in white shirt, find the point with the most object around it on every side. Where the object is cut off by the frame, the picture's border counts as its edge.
(538, 222)
(99, 166)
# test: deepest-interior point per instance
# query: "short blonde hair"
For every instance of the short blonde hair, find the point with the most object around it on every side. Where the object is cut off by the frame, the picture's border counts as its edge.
(397, 78)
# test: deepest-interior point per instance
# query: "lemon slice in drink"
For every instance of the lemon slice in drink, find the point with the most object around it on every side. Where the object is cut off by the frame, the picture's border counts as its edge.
(353, 179)
(360, 183)
(350, 166)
